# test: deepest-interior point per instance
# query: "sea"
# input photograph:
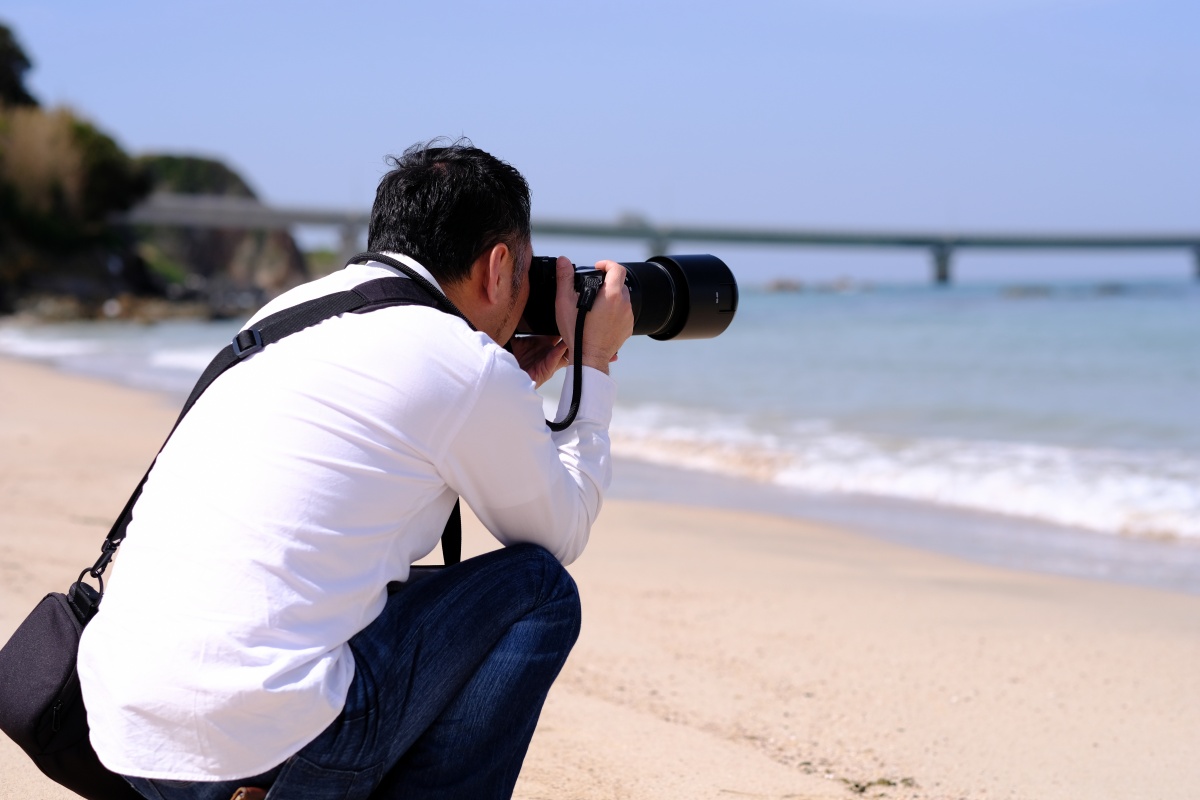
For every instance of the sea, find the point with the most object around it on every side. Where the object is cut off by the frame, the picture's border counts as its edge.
(1052, 428)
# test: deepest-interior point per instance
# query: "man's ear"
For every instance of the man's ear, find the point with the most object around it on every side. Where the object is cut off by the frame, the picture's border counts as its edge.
(498, 276)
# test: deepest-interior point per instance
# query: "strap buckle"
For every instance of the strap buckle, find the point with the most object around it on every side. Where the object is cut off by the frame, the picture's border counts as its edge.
(107, 551)
(252, 340)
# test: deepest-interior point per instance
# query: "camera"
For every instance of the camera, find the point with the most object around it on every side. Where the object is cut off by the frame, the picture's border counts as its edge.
(673, 297)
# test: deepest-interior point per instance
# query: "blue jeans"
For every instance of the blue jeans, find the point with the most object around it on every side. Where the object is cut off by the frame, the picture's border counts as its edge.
(448, 685)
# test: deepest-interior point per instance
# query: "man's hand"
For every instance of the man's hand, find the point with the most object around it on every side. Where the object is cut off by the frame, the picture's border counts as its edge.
(607, 325)
(540, 356)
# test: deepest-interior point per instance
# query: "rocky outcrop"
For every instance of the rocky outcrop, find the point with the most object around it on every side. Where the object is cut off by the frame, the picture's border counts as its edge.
(235, 271)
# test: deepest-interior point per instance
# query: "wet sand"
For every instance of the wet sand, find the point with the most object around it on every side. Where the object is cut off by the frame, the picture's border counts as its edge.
(728, 654)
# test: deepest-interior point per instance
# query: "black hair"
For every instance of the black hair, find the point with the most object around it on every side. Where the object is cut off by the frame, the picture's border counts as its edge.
(445, 204)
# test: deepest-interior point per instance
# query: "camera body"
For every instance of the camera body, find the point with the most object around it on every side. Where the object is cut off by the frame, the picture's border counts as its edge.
(673, 297)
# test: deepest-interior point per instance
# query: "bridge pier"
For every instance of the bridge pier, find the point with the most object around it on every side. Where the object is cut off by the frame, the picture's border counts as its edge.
(658, 247)
(1196, 257)
(941, 264)
(349, 243)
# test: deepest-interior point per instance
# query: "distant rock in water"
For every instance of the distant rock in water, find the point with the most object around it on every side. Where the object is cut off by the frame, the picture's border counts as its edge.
(234, 271)
(1025, 292)
(784, 285)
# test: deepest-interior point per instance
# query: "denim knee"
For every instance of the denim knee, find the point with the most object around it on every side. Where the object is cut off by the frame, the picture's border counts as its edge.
(555, 584)
(554, 575)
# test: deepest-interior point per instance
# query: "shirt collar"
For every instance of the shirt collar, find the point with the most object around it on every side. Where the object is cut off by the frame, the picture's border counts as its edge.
(414, 266)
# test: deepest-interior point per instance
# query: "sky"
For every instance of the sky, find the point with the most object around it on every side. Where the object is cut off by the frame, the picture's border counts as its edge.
(924, 115)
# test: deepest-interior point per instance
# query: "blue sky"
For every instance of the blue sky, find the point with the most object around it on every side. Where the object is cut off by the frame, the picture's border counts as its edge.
(942, 115)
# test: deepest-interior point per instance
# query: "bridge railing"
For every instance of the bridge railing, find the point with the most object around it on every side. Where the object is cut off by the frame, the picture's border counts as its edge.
(204, 211)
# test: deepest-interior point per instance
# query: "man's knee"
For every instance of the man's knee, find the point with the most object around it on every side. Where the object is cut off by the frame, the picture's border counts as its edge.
(554, 584)
(542, 562)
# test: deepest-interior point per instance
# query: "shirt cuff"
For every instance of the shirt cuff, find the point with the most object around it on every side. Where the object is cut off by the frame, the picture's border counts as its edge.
(599, 393)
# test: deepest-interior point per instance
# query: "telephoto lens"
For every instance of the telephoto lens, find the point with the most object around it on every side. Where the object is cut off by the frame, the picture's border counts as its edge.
(673, 297)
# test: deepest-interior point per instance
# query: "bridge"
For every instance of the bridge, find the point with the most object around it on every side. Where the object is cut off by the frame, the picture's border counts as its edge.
(204, 211)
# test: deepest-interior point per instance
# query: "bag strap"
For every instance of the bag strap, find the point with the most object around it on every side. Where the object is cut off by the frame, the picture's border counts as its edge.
(366, 297)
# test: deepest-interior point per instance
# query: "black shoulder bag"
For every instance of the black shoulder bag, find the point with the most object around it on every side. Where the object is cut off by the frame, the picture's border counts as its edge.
(41, 707)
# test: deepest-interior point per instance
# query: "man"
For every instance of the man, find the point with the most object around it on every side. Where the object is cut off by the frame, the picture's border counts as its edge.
(247, 638)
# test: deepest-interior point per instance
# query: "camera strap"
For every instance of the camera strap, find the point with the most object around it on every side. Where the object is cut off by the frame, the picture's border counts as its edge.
(587, 284)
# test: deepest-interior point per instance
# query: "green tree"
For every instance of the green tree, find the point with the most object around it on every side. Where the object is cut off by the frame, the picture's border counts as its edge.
(193, 175)
(13, 66)
(112, 181)
(61, 179)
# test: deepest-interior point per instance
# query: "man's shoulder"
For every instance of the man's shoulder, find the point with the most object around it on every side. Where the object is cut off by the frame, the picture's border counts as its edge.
(342, 280)
(429, 337)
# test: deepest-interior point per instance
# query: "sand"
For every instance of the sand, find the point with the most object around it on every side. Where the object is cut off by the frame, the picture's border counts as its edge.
(727, 654)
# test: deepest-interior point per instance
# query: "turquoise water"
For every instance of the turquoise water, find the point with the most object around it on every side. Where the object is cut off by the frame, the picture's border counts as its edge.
(1074, 367)
(1074, 405)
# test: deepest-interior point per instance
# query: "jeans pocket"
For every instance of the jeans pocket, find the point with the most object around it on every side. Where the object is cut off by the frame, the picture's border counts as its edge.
(301, 779)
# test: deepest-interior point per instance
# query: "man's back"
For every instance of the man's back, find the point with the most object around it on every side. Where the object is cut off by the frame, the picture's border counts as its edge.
(300, 484)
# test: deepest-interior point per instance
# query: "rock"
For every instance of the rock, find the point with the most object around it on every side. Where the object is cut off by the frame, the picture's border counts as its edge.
(235, 271)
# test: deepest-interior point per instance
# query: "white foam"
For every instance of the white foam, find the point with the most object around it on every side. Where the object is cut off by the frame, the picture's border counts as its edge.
(1111, 491)
(194, 359)
(15, 342)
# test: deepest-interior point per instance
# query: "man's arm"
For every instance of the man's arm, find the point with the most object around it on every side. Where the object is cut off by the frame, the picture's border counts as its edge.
(524, 483)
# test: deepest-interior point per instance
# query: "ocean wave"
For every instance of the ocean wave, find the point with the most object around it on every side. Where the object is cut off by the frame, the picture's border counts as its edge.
(1142, 494)
(1154, 492)
(166, 357)
(19, 343)
(192, 360)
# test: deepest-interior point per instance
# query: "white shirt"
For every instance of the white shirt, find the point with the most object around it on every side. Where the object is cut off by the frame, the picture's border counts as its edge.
(300, 483)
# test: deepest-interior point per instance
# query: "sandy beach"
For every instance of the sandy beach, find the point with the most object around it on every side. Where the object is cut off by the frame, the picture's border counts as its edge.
(727, 654)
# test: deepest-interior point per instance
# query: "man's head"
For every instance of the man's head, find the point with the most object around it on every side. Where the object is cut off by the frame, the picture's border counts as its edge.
(447, 204)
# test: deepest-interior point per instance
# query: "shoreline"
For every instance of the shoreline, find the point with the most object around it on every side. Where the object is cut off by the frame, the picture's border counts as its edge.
(977, 536)
(726, 653)
(974, 536)
(1113, 449)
